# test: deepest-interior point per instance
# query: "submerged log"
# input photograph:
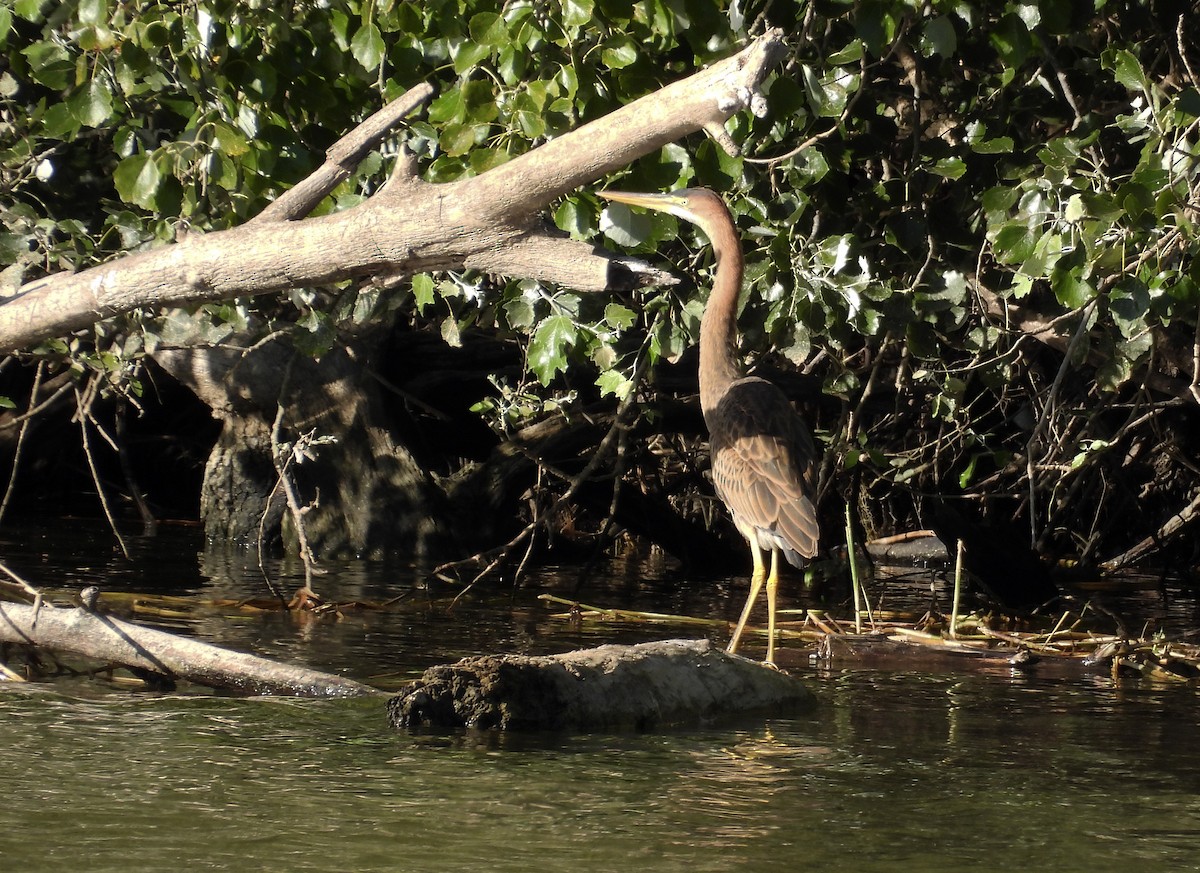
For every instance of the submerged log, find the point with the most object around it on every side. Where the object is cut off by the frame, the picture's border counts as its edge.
(146, 650)
(611, 687)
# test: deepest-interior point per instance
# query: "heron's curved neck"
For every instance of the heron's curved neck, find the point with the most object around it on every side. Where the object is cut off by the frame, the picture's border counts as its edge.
(719, 364)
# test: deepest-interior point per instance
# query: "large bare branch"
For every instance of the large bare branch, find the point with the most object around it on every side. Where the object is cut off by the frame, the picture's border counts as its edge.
(488, 222)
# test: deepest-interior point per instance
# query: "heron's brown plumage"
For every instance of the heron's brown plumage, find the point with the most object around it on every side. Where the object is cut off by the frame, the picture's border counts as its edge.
(762, 468)
(762, 454)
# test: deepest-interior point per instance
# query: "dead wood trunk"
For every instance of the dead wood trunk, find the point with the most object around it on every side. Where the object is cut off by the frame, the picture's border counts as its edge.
(366, 495)
(611, 687)
(113, 641)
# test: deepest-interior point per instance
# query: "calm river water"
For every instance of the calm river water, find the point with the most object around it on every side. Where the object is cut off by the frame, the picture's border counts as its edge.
(941, 767)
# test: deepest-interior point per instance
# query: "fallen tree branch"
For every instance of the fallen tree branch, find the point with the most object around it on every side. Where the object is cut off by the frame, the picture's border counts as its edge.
(487, 222)
(108, 639)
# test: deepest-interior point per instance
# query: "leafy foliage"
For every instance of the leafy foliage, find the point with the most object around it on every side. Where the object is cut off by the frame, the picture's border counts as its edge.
(922, 167)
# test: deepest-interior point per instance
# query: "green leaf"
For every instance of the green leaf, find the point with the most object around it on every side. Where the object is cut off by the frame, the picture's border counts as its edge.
(1075, 209)
(93, 105)
(450, 332)
(93, 12)
(367, 46)
(951, 168)
(138, 179)
(1012, 40)
(318, 334)
(828, 95)
(571, 218)
(1129, 305)
(1188, 102)
(939, 37)
(612, 382)
(448, 107)
(619, 317)
(1070, 288)
(576, 13)
(468, 55)
(625, 227)
(851, 54)
(999, 199)
(1127, 70)
(60, 122)
(458, 139)
(488, 28)
(619, 52)
(1015, 242)
(519, 312)
(422, 287)
(50, 64)
(549, 346)
(1001, 145)
(30, 10)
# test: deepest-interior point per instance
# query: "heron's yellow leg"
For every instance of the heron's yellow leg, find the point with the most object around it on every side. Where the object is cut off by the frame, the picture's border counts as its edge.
(772, 587)
(756, 581)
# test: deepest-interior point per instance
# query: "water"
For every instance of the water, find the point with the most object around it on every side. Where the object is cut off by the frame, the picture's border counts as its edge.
(947, 766)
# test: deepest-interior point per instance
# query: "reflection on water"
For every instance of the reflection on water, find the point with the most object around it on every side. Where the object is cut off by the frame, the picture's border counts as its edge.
(917, 770)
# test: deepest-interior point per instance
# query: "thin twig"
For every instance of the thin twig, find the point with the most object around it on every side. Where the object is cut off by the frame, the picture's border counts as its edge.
(16, 464)
(1033, 445)
(283, 463)
(84, 415)
(27, 588)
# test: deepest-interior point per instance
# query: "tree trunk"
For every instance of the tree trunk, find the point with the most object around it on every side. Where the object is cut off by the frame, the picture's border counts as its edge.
(360, 493)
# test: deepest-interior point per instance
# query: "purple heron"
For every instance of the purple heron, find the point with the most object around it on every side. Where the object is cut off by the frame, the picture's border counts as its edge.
(762, 454)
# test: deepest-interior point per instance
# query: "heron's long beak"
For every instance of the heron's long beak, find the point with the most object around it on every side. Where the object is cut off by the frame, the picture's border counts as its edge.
(674, 202)
(649, 201)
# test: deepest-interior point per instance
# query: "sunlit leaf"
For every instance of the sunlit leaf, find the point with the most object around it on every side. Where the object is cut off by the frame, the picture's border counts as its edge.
(137, 179)
(422, 287)
(618, 316)
(1015, 242)
(549, 346)
(612, 382)
(450, 332)
(93, 106)
(625, 227)
(367, 46)
(1071, 289)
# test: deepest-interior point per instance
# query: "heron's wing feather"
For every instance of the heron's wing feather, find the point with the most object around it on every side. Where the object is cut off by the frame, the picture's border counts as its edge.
(762, 462)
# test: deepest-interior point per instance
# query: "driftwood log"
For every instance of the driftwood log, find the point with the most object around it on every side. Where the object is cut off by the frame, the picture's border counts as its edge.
(146, 650)
(650, 685)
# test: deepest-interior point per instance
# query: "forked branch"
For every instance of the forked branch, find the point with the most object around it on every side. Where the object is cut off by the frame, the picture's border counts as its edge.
(488, 222)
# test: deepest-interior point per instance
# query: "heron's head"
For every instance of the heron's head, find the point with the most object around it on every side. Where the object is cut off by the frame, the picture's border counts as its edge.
(700, 206)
